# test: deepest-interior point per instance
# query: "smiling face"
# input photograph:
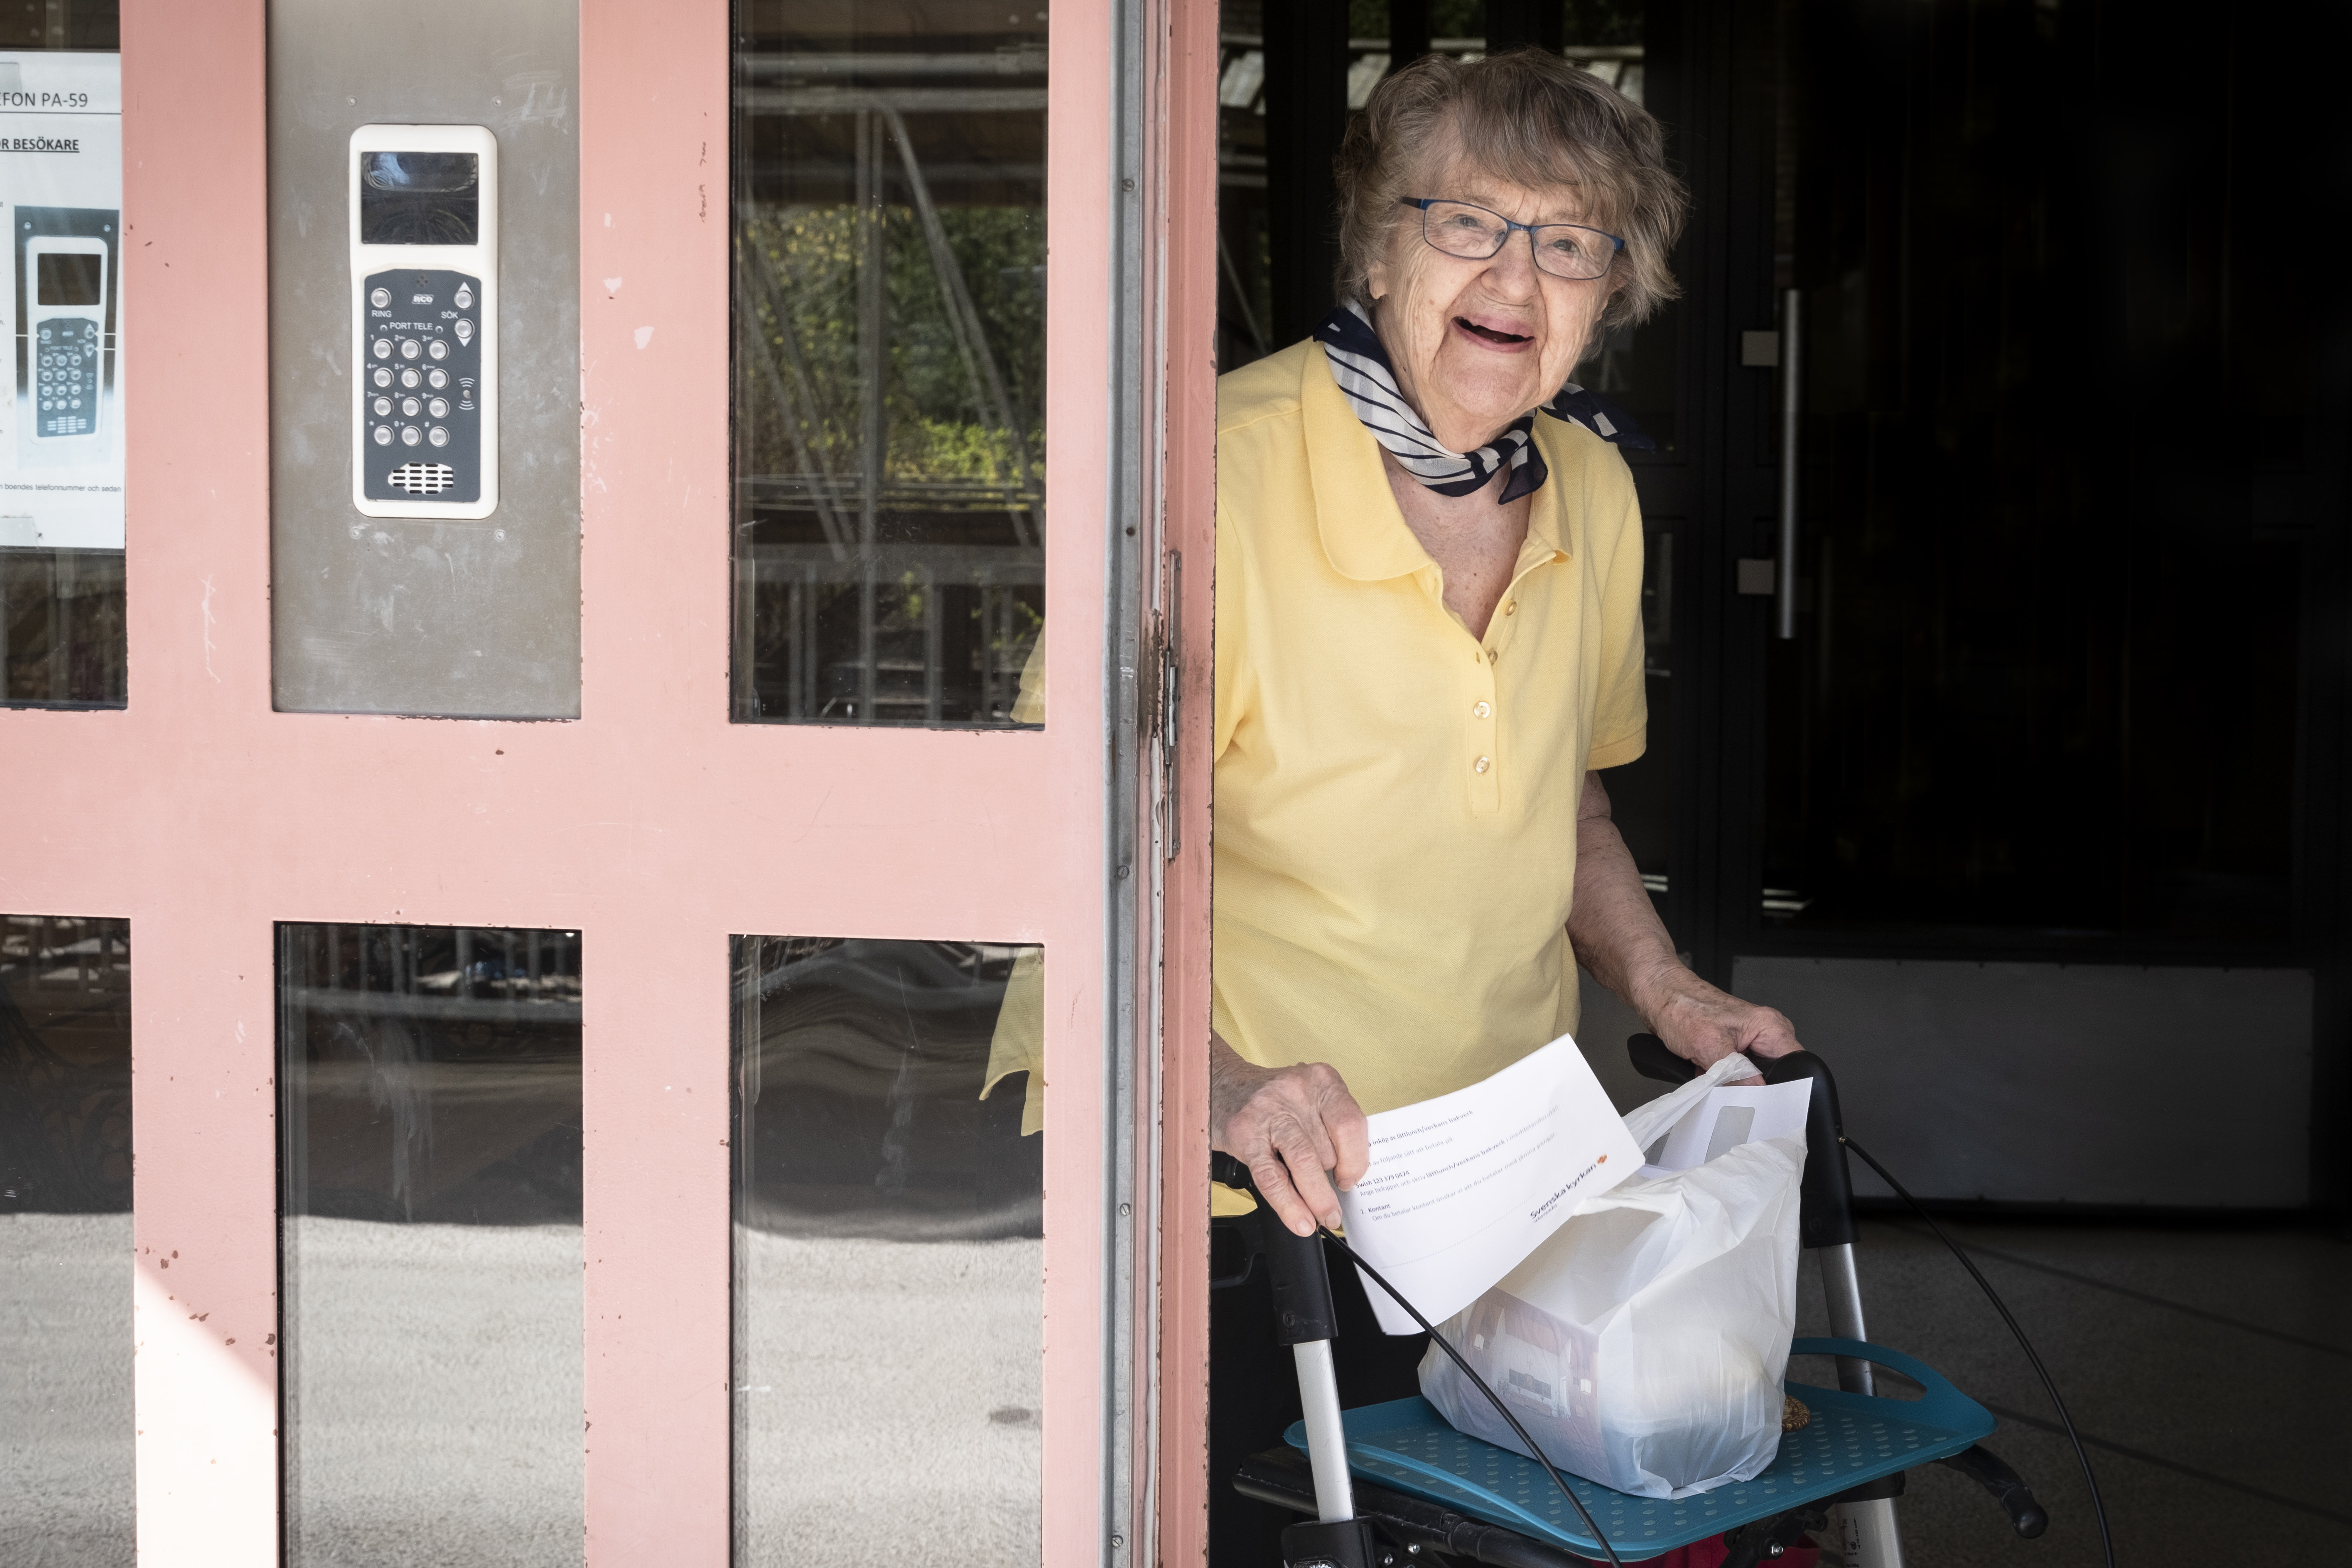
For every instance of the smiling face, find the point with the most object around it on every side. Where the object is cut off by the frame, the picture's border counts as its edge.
(1478, 344)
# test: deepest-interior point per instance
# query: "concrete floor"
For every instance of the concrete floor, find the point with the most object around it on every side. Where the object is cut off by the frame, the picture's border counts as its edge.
(2209, 1366)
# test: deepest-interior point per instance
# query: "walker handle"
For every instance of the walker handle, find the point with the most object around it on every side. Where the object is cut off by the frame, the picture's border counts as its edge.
(1652, 1059)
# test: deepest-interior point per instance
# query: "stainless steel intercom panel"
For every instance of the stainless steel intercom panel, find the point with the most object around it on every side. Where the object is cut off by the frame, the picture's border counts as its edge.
(425, 271)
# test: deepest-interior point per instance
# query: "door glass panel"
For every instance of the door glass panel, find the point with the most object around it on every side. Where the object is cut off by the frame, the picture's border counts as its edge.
(62, 640)
(66, 1419)
(889, 1253)
(431, 1257)
(2047, 669)
(888, 178)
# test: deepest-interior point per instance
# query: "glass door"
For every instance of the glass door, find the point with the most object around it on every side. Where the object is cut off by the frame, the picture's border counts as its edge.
(2042, 685)
(720, 1120)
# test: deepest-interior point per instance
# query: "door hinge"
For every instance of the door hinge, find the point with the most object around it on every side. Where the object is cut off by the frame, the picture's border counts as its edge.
(1170, 640)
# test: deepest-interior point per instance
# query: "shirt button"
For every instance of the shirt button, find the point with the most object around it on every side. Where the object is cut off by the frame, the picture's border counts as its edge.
(1512, 608)
(1491, 654)
(1481, 766)
(1480, 710)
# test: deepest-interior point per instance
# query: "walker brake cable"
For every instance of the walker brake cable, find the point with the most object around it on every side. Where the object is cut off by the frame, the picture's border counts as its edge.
(1534, 1450)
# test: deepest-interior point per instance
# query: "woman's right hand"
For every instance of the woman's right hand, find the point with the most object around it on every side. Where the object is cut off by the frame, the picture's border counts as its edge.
(1290, 1126)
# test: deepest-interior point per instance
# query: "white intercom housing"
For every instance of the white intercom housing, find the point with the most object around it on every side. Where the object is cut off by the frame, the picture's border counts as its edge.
(66, 288)
(425, 320)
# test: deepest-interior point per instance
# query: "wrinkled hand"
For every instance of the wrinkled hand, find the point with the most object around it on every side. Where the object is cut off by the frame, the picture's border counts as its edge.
(1290, 1126)
(1702, 1024)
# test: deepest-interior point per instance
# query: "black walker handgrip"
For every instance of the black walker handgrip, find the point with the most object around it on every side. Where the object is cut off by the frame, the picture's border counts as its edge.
(1826, 1215)
(1652, 1059)
(2008, 1488)
(1295, 1265)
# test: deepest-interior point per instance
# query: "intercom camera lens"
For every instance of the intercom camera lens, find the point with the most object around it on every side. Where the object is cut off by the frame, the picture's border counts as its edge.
(408, 349)
(383, 347)
(380, 297)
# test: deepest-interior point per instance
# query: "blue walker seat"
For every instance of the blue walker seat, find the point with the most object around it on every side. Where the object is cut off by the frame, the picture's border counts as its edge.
(1853, 1438)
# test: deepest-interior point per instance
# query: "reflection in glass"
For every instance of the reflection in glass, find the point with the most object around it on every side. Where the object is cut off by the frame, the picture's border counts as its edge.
(888, 1255)
(62, 639)
(889, 367)
(431, 1258)
(61, 629)
(66, 1429)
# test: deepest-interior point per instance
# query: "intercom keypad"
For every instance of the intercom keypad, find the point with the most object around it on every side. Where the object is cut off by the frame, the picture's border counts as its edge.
(66, 377)
(420, 374)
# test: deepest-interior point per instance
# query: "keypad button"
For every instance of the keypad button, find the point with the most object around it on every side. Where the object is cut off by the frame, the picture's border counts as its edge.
(439, 348)
(408, 436)
(437, 379)
(438, 408)
(408, 348)
(380, 297)
(408, 407)
(384, 407)
(465, 330)
(76, 402)
(383, 347)
(383, 434)
(409, 379)
(463, 298)
(383, 377)
(439, 437)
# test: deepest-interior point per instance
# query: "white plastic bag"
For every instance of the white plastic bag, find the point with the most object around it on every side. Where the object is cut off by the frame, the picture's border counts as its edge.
(1643, 1345)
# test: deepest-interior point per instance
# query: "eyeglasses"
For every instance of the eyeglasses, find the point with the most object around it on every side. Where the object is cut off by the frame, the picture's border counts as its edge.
(1475, 233)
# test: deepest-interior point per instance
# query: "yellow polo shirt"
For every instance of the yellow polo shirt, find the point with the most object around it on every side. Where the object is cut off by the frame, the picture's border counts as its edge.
(1396, 799)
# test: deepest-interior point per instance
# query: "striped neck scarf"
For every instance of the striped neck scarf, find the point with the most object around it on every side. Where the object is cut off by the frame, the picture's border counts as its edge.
(1361, 366)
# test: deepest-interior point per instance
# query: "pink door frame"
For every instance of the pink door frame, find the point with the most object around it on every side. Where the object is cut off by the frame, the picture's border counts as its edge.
(1185, 164)
(651, 824)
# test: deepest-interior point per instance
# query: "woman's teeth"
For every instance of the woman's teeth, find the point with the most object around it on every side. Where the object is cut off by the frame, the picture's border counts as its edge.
(1489, 333)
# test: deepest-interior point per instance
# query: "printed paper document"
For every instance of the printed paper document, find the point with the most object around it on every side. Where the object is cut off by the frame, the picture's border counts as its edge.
(1461, 1188)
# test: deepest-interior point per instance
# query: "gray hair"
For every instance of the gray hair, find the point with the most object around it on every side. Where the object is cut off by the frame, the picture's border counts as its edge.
(1530, 117)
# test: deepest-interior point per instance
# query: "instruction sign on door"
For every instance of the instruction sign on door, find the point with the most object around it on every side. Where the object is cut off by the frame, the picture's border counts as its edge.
(62, 301)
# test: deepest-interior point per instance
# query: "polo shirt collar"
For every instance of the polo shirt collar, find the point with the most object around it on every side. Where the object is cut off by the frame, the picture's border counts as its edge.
(1364, 534)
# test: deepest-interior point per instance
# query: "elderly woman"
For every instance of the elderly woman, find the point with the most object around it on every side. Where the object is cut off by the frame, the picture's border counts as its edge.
(1429, 640)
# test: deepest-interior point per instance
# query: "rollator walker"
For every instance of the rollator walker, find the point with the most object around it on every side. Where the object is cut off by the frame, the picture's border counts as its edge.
(1390, 1485)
